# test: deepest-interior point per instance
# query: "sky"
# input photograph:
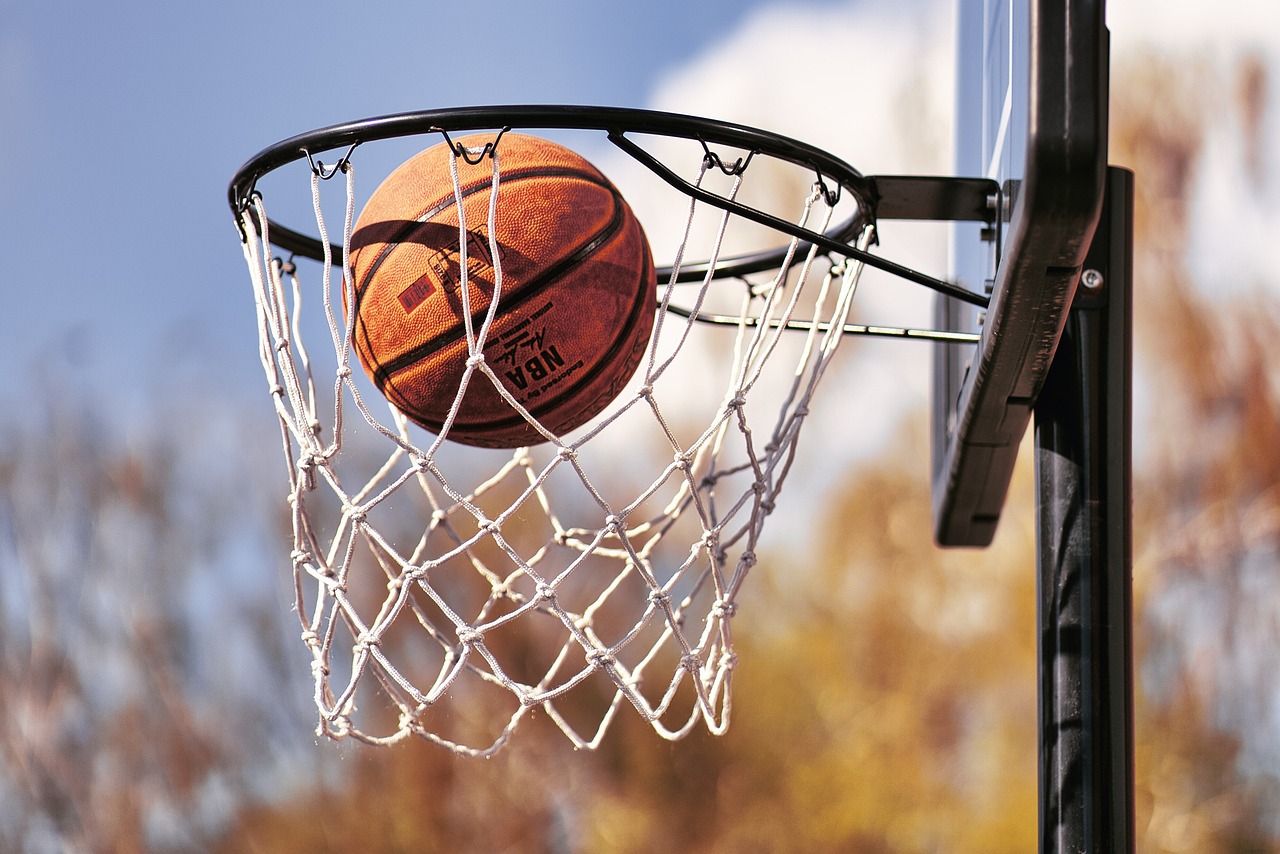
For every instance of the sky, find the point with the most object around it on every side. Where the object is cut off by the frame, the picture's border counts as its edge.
(121, 124)
(124, 122)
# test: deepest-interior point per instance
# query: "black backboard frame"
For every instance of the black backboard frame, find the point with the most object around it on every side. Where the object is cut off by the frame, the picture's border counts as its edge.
(983, 398)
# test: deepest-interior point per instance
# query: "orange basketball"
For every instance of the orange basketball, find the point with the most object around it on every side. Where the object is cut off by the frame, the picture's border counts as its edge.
(577, 299)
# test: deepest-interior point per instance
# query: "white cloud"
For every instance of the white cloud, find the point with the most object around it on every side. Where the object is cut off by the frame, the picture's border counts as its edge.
(1191, 25)
(868, 82)
(1236, 204)
(1235, 185)
(872, 85)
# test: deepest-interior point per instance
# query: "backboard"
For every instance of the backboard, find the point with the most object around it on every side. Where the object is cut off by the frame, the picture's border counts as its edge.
(1031, 113)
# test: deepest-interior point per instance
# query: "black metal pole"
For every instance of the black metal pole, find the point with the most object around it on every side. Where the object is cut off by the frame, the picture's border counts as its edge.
(1084, 580)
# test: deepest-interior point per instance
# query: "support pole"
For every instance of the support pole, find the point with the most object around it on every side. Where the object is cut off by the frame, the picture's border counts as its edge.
(1084, 573)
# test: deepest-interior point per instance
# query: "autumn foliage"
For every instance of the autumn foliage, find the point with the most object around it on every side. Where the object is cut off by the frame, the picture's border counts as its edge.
(885, 697)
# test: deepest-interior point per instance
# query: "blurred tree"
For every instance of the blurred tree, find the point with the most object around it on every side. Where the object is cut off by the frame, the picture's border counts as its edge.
(886, 699)
(885, 693)
(885, 696)
(123, 725)
(1208, 491)
(886, 702)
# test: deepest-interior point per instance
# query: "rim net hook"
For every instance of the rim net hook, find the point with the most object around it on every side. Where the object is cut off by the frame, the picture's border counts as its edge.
(459, 150)
(318, 168)
(712, 159)
(830, 196)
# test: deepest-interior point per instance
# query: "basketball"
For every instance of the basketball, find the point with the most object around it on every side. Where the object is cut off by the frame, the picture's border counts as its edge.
(573, 315)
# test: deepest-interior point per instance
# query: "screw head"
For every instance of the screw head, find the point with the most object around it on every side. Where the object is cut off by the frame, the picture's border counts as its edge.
(1092, 280)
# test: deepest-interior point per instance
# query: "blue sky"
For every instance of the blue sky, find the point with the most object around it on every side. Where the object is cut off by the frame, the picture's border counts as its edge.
(125, 121)
(121, 124)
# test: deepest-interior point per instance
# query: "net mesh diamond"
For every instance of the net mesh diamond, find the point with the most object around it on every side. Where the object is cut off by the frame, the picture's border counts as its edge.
(452, 593)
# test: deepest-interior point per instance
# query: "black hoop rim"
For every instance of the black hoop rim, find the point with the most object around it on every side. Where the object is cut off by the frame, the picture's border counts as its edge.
(617, 122)
(832, 173)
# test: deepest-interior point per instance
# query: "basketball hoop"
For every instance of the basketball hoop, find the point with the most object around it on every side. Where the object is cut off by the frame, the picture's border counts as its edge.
(449, 592)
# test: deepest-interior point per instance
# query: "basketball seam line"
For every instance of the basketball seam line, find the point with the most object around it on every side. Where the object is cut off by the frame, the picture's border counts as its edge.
(450, 200)
(516, 298)
(638, 308)
(360, 333)
(383, 378)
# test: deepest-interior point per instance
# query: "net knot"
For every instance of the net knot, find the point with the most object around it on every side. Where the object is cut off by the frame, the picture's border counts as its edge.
(597, 657)
(307, 462)
(467, 517)
(723, 609)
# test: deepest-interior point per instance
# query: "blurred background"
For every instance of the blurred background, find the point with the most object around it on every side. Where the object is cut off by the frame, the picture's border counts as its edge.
(153, 693)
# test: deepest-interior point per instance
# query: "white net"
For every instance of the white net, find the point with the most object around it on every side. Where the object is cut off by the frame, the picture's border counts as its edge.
(450, 593)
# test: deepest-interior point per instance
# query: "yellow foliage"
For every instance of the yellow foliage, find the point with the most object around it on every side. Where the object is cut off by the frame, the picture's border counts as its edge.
(885, 696)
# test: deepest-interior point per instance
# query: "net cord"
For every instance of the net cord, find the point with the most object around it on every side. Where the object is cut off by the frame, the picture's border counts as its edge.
(326, 556)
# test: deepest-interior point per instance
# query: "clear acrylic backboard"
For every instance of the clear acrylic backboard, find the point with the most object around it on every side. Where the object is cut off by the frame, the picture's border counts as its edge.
(1031, 114)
